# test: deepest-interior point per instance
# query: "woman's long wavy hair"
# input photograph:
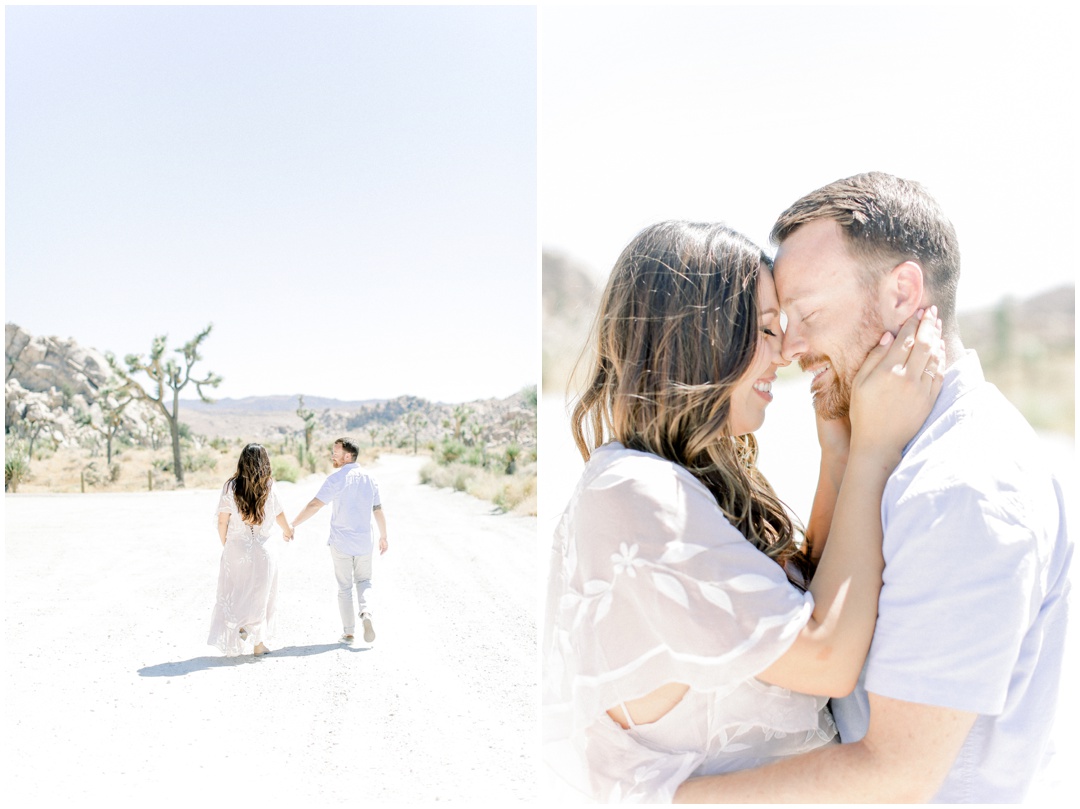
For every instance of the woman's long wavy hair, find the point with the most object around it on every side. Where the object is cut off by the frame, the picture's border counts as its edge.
(251, 483)
(676, 330)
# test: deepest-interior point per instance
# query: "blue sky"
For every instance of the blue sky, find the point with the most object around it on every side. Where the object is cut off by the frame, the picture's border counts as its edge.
(731, 113)
(347, 193)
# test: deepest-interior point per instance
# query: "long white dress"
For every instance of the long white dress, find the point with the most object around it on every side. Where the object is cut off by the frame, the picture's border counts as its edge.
(650, 584)
(247, 579)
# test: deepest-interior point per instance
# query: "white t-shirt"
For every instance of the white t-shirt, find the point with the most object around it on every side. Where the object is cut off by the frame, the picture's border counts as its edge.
(974, 598)
(353, 494)
(650, 584)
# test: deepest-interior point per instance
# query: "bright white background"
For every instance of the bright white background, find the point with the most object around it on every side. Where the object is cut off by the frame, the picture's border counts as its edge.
(731, 113)
(347, 193)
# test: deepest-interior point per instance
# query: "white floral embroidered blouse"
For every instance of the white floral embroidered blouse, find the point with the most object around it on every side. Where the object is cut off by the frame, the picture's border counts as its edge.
(650, 584)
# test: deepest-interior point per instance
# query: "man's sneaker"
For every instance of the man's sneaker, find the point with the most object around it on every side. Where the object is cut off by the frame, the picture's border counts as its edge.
(345, 639)
(369, 630)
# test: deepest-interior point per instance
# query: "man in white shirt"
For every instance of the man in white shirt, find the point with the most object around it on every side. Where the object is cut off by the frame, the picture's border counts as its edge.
(959, 689)
(355, 497)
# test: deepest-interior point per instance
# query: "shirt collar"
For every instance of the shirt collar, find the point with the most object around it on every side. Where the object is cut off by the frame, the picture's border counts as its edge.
(961, 377)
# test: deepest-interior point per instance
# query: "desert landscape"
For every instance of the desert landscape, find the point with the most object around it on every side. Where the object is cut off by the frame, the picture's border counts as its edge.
(112, 690)
(78, 420)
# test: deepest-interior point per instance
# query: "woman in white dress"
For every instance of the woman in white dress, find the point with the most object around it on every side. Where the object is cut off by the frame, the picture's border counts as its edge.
(247, 579)
(687, 633)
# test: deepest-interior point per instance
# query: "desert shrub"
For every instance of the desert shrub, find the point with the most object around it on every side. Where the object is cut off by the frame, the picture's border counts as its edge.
(511, 454)
(512, 494)
(449, 451)
(114, 472)
(284, 469)
(193, 462)
(16, 470)
(517, 493)
(461, 478)
(91, 475)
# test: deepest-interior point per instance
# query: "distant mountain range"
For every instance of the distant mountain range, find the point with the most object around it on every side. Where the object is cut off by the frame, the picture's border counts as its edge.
(274, 404)
(52, 386)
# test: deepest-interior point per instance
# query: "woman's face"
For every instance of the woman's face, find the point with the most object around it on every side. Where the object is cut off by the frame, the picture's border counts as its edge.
(753, 392)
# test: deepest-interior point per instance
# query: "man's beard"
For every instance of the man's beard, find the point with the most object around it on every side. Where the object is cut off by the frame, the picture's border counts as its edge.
(834, 400)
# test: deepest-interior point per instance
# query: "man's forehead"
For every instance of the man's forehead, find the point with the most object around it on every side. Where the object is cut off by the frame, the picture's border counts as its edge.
(797, 289)
(809, 263)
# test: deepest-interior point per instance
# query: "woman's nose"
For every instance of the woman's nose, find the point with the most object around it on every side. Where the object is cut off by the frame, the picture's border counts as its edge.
(792, 346)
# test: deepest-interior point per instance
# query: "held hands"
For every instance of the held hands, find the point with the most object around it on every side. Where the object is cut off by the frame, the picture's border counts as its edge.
(288, 534)
(897, 385)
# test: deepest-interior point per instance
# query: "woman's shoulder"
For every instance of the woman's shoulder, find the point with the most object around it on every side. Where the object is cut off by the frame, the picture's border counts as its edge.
(630, 489)
(615, 469)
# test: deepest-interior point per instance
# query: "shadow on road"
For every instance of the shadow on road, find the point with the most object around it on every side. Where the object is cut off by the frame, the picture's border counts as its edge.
(183, 667)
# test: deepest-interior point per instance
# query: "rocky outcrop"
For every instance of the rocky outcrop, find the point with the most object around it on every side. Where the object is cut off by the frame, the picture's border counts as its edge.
(52, 386)
(42, 363)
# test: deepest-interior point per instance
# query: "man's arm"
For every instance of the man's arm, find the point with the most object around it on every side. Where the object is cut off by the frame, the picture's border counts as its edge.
(380, 520)
(834, 438)
(904, 758)
(309, 511)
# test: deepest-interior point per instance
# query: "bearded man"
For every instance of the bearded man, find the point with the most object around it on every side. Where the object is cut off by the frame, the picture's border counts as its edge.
(958, 693)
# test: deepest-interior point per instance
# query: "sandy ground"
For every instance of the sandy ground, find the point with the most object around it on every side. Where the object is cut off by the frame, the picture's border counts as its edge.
(788, 457)
(111, 690)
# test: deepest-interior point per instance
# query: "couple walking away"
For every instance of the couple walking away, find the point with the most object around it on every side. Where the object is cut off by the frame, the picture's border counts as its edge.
(692, 644)
(247, 580)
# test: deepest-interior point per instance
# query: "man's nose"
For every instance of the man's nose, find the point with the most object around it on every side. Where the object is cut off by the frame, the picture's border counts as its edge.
(793, 345)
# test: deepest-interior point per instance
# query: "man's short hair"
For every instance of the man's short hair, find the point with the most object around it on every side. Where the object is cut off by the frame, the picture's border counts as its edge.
(886, 220)
(349, 446)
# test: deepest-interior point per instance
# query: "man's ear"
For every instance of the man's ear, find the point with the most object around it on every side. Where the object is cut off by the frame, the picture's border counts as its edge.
(902, 293)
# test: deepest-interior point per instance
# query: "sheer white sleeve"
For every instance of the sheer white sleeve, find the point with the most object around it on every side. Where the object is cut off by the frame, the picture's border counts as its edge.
(273, 504)
(226, 503)
(650, 584)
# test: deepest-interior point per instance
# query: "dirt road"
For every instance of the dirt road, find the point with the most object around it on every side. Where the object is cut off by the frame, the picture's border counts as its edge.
(111, 690)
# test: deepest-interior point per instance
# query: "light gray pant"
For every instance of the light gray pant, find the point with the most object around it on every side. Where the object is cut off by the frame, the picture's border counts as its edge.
(349, 571)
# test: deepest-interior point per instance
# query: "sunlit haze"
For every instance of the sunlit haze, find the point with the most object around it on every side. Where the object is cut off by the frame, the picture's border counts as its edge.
(732, 113)
(347, 193)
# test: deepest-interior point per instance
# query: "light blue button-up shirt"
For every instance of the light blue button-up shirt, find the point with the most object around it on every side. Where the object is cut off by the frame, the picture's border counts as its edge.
(973, 606)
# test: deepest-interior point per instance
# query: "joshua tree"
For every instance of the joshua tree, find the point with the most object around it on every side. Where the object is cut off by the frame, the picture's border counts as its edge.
(310, 423)
(460, 416)
(516, 424)
(167, 375)
(373, 432)
(480, 434)
(529, 395)
(112, 400)
(414, 423)
(37, 419)
(155, 430)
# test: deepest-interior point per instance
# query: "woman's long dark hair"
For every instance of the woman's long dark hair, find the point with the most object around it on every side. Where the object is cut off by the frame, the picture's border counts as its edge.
(676, 330)
(251, 483)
